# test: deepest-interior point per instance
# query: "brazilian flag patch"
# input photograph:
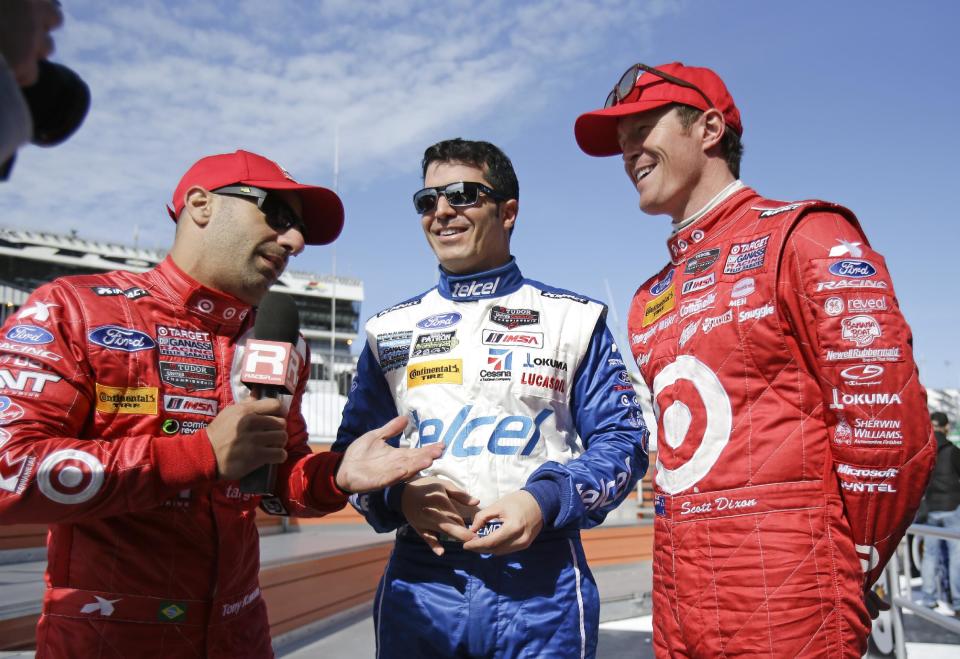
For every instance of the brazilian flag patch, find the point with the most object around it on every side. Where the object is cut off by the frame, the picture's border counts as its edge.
(172, 612)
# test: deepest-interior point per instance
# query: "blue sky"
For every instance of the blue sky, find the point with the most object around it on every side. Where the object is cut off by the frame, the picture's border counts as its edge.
(845, 101)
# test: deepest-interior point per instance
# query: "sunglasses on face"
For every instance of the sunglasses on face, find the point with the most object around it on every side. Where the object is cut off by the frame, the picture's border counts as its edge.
(628, 81)
(459, 195)
(280, 217)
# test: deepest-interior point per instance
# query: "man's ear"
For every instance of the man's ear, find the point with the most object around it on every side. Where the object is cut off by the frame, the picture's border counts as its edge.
(508, 212)
(198, 205)
(713, 127)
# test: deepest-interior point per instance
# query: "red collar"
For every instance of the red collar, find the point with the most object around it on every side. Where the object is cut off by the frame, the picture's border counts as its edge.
(216, 307)
(684, 243)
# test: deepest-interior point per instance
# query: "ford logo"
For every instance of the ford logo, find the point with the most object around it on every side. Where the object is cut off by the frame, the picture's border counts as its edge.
(29, 334)
(440, 320)
(660, 286)
(112, 337)
(853, 269)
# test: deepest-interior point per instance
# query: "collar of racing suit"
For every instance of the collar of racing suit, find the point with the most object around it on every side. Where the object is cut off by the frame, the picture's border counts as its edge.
(706, 222)
(479, 285)
(217, 309)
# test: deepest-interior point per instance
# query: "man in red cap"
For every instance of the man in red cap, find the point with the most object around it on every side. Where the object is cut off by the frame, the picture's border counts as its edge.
(794, 447)
(124, 425)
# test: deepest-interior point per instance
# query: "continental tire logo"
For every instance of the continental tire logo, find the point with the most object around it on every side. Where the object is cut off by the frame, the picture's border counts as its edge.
(126, 400)
(443, 371)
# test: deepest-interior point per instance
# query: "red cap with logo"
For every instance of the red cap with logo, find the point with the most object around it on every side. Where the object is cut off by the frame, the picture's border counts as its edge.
(597, 131)
(322, 208)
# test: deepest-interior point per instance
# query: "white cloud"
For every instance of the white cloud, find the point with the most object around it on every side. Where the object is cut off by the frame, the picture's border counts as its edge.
(172, 82)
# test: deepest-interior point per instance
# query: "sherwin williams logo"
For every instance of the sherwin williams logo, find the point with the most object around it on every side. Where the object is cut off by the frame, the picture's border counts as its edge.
(853, 269)
(442, 371)
(660, 286)
(440, 320)
(29, 334)
(126, 400)
(112, 337)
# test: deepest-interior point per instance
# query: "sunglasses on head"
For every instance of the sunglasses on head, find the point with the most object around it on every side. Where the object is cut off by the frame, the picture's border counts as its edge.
(280, 217)
(628, 82)
(459, 195)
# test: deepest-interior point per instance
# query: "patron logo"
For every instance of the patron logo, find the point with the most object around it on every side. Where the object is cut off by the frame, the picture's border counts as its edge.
(29, 334)
(190, 405)
(474, 288)
(698, 284)
(130, 293)
(113, 337)
(443, 371)
(701, 261)
(126, 400)
(853, 269)
(434, 343)
(192, 377)
(860, 330)
(440, 320)
(511, 318)
(29, 383)
(746, 256)
(525, 339)
(180, 342)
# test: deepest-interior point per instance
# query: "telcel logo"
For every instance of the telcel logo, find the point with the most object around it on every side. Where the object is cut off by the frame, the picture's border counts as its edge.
(510, 435)
(475, 288)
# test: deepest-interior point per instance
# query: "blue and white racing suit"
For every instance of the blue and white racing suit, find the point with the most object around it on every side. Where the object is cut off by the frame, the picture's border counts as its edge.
(526, 388)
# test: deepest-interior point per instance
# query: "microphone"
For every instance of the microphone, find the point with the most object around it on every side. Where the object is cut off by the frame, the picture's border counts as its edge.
(270, 367)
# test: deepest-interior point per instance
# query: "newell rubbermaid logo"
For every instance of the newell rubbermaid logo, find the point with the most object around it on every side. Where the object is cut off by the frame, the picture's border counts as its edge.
(29, 334)
(113, 337)
(853, 269)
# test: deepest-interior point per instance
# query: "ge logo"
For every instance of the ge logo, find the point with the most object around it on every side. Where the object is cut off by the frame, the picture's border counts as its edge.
(70, 476)
(676, 422)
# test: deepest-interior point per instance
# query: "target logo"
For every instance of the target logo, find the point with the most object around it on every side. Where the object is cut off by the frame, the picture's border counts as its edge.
(69, 476)
(715, 404)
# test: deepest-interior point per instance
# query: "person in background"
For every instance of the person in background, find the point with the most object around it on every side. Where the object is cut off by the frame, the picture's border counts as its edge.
(942, 501)
(793, 445)
(544, 435)
(124, 425)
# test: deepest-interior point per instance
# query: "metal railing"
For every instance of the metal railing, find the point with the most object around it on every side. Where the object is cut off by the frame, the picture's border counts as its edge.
(897, 572)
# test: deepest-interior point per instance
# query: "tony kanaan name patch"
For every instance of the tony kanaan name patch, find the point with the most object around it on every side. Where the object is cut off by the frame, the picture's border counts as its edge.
(126, 400)
(511, 318)
(441, 371)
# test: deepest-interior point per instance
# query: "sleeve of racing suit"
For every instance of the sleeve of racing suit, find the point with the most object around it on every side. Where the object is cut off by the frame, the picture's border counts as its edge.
(608, 419)
(51, 469)
(306, 484)
(369, 406)
(838, 296)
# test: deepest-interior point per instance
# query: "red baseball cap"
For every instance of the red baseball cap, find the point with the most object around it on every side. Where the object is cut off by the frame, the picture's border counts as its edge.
(322, 208)
(597, 131)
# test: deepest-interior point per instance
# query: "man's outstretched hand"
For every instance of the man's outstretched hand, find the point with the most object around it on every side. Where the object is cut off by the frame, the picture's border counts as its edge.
(369, 463)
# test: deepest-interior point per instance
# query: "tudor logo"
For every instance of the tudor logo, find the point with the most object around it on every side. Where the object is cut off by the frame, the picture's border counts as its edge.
(70, 476)
(712, 401)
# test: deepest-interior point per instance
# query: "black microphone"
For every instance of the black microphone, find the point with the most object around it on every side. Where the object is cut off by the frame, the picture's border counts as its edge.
(270, 367)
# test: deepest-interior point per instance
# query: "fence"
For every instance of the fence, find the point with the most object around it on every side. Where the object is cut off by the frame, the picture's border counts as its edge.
(897, 574)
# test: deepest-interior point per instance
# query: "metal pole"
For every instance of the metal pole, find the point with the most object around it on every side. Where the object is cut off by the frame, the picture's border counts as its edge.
(892, 572)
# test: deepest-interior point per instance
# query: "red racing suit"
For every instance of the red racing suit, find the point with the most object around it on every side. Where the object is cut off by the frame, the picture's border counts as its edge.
(107, 383)
(794, 442)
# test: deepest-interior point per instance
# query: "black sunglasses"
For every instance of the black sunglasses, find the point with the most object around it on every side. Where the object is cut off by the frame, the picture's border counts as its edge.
(628, 81)
(459, 195)
(280, 217)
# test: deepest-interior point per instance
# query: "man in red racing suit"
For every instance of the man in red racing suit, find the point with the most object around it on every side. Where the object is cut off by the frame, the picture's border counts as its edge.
(794, 446)
(124, 425)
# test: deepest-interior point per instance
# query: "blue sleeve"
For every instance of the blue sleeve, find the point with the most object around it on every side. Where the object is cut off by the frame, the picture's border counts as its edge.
(608, 419)
(370, 405)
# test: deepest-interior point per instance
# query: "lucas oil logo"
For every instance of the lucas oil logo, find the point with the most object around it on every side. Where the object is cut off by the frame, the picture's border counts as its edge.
(506, 435)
